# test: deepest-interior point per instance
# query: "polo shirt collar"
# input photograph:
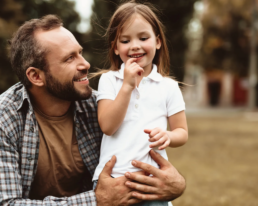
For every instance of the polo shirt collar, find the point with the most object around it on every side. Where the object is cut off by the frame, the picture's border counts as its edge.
(154, 75)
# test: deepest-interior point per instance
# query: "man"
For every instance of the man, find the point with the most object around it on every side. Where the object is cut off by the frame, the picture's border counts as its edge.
(49, 134)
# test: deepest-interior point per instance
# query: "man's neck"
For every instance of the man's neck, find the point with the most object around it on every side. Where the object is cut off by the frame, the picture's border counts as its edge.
(49, 104)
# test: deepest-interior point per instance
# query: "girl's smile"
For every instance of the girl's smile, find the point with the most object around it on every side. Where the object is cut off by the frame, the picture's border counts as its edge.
(136, 55)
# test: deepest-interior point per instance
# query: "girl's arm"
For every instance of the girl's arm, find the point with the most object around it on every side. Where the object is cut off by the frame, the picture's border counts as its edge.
(179, 132)
(111, 113)
(174, 138)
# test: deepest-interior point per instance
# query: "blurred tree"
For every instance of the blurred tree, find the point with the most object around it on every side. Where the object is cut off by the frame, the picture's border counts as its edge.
(226, 26)
(10, 17)
(14, 12)
(175, 15)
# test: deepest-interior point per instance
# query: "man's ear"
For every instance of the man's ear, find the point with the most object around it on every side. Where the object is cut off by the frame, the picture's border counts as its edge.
(158, 43)
(36, 76)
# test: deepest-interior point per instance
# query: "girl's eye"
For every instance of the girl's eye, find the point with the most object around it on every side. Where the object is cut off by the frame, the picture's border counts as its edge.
(124, 41)
(143, 39)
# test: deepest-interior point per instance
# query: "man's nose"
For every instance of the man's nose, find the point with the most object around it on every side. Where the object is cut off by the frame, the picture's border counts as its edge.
(83, 64)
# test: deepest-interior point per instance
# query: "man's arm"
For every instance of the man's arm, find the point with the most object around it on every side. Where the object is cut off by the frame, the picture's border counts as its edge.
(165, 184)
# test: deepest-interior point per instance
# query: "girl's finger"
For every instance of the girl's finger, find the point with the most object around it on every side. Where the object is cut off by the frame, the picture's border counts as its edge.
(130, 61)
(160, 142)
(157, 143)
(155, 131)
(155, 138)
(147, 131)
(131, 66)
(165, 145)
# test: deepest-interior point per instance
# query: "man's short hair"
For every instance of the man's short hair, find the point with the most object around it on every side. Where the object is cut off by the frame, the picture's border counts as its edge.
(25, 50)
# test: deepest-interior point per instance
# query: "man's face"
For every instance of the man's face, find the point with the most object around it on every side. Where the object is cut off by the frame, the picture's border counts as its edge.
(66, 75)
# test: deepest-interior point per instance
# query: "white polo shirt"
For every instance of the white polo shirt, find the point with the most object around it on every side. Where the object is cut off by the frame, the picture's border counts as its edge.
(150, 105)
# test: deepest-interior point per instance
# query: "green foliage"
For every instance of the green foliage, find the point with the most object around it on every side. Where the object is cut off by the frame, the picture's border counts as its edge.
(226, 25)
(174, 14)
(14, 12)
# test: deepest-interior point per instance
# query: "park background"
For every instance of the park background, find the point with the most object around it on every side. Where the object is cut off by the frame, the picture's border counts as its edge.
(213, 48)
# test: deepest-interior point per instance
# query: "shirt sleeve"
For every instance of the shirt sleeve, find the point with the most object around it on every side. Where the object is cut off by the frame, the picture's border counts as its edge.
(175, 101)
(10, 181)
(106, 88)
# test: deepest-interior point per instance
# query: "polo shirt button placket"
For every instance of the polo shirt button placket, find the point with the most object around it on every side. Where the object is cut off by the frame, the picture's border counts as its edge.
(137, 100)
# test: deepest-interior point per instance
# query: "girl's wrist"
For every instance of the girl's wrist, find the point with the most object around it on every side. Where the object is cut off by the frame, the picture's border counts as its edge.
(127, 88)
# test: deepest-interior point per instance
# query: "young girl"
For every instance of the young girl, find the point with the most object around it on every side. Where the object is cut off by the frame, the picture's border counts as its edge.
(136, 99)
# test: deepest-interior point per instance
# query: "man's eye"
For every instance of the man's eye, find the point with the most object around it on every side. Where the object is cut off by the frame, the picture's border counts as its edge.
(144, 38)
(70, 58)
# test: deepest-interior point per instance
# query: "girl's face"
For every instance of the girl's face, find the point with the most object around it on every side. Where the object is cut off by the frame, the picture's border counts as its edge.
(138, 40)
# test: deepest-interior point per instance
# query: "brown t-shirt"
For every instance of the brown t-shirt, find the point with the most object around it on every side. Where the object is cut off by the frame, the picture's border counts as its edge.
(60, 167)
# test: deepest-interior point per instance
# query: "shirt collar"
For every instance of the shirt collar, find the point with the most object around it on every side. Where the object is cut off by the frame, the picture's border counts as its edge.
(25, 96)
(154, 75)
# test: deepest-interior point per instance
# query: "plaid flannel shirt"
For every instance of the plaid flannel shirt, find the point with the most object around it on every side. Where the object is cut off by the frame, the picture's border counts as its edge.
(19, 148)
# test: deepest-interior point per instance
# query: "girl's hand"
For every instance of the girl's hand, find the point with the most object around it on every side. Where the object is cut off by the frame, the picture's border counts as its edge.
(131, 72)
(159, 136)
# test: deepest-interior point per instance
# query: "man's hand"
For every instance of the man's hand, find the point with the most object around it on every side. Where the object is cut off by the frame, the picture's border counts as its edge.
(112, 191)
(165, 184)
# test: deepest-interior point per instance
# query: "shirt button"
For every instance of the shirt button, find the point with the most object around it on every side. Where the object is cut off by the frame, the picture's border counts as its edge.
(136, 106)
(137, 96)
(31, 129)
(143, 81)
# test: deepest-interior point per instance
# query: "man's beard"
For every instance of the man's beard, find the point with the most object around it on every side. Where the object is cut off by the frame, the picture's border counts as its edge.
(66, 91)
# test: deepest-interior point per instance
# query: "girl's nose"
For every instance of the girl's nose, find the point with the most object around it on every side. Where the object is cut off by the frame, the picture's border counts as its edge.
(135, 46)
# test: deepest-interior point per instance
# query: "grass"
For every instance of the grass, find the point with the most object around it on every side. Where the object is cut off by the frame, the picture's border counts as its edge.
(219, 162)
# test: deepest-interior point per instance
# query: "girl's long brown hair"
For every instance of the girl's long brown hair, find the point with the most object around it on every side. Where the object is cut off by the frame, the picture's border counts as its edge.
(123, 13)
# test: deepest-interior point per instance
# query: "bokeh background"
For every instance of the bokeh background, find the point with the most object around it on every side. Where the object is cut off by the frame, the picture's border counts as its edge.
(213, 49)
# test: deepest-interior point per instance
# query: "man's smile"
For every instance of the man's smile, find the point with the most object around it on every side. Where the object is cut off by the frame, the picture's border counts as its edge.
(82, 79)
